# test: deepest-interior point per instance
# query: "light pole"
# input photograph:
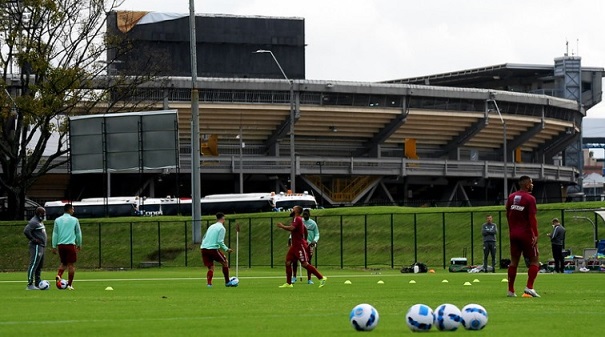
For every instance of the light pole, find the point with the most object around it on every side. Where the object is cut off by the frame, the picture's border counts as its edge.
(292, 117)
(321, 185)
(196, 188)
(241, 160)
(492, 98)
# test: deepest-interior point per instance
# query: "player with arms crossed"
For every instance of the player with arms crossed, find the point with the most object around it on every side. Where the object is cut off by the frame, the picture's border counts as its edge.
(523, 231)
(299, 249)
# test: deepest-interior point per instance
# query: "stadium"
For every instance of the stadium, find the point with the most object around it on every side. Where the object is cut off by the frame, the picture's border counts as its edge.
(458, 138)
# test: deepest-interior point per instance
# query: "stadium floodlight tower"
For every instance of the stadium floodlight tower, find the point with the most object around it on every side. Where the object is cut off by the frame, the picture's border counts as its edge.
(292, 117)
(492, 99)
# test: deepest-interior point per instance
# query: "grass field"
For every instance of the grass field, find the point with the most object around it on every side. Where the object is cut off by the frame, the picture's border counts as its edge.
(176, 302)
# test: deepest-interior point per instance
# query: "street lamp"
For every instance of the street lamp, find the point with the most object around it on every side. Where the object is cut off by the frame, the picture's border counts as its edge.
(492, 98)
(196, 186)
(241, 160)
(321, 185)
(292, 117)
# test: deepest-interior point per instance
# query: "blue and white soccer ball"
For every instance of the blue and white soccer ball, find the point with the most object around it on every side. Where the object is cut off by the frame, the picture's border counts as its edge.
(364, 317)
(447, 317)
(419, 318)
(474, 317)
(43, 285)
(62, 284)
(234, 281)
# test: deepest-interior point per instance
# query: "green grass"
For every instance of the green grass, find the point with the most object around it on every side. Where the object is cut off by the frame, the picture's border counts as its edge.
(176, 302)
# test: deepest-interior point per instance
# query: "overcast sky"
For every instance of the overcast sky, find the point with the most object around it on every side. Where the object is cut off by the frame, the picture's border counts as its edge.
(374, 40)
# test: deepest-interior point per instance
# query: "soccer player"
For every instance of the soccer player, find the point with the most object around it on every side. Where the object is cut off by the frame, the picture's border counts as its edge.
(523, 231)
(298, 249)
(36, 234)
(489, 231)
(67, 239)
(213, 241)
(312, 238)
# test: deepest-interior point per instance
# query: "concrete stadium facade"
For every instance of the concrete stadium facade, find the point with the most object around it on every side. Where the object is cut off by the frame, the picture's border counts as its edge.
(350, 142)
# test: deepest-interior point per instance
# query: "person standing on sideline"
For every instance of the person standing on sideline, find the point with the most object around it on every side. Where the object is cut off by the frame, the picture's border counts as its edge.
(67, 240)
(36, 234)
(489, 231)
(299, 249)
(557, 241)
(312, 238)
(523, 231)
(212, 243)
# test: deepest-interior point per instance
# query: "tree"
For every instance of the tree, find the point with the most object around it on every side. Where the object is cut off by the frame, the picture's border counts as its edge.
(52, 64)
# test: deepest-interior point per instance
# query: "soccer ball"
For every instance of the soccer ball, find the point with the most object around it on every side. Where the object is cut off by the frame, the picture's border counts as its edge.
(364, 317)
(419, 317)
(43, 285)
(62, 284)
(447, 317)
(234, 281)
(474, 317)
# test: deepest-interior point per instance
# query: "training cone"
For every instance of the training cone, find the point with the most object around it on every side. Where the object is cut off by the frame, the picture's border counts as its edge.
(504, 280)
(476, 280)
(347, 282)
(380, 282)
(432, 271)
(526, 295)
(412, 281)
(109, 288)
(444, 281)
(467, 284)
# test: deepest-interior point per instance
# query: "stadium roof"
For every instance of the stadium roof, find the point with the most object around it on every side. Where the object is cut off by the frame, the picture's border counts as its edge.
(529, 78)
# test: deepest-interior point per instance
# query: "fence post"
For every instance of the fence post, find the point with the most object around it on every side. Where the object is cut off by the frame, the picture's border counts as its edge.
(365, 241)
(415, 239)
(159, 247)
(249, 243)
(341, 244)
(131, 249)
(100, 250)
(186, 250)
(499, 236)
(443, 234)
(392, 244)
(271, 240)
(472, 239)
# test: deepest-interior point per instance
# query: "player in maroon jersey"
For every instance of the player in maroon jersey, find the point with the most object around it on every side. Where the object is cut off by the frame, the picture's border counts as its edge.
(523, 230)
(299, 249)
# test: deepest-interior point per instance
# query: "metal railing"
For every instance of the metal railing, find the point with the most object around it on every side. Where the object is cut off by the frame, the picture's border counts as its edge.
(383, 167)
(388, 240)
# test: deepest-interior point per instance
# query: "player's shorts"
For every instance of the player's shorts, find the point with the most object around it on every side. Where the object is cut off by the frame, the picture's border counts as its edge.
(522, 245)
(211, 255)
(67, 253)
(298, 253)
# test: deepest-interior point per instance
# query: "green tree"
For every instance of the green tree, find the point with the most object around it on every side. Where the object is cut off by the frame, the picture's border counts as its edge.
(53, 65)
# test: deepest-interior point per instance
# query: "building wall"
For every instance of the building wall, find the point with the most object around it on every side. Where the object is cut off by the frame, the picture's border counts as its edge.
(225, 47)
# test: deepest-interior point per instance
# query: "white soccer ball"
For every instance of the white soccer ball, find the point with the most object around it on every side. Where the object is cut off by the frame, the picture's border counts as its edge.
(447, 317)
(364, 317)
(234, 281)
(419, 317)
(43, 285)
(474, 317)
(62, 284)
